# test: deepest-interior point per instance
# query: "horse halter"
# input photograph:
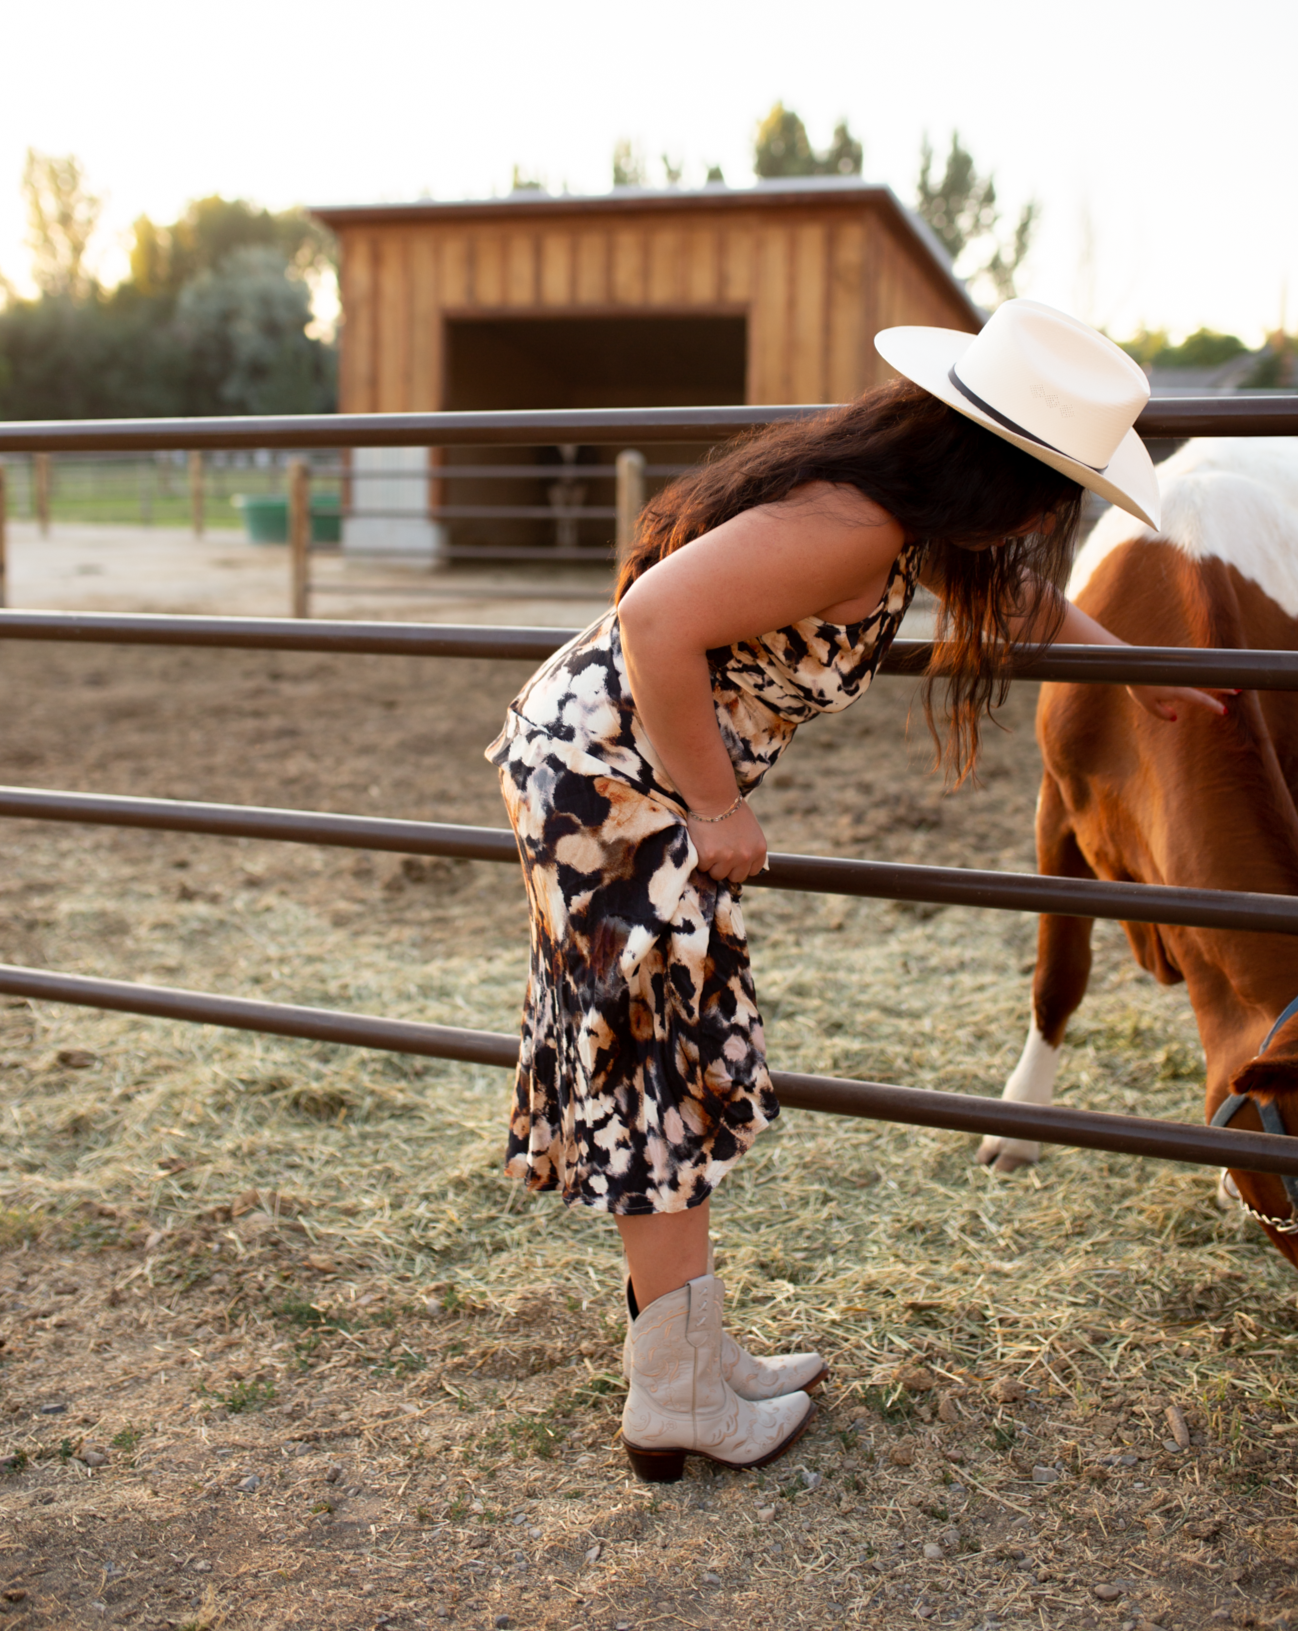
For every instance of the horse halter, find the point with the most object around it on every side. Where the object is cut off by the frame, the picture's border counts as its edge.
(1272, 1122)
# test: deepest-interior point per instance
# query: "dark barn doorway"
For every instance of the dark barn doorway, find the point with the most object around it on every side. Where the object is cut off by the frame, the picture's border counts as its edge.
(574, 362)
(594, 362)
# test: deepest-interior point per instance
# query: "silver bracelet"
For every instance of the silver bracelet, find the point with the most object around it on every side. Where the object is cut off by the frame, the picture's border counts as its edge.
(695, 816)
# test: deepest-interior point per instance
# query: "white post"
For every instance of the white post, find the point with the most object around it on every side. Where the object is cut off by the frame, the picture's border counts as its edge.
(388, 512)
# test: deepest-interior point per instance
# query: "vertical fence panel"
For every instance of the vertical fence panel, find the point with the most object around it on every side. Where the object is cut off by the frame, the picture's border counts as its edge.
(196, 492)
(630, 499)
(41, 485)
(299, 534)
(4, 544)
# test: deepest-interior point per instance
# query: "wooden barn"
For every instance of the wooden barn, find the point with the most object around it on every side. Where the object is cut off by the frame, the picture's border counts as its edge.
(632, 299)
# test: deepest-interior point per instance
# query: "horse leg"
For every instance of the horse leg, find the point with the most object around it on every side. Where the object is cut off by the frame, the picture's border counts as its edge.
(1058, 985)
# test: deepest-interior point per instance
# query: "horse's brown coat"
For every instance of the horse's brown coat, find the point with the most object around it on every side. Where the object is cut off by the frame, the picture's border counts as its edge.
(1206, 802)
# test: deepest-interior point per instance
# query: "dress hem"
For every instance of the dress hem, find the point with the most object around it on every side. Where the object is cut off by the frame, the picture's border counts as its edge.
(599, 1203)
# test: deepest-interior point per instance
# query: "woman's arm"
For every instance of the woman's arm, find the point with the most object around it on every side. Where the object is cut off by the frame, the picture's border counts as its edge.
(823, 548)
(1078, 629)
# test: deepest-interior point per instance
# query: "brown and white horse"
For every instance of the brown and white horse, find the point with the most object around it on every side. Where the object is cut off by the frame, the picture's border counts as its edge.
(1207, 802)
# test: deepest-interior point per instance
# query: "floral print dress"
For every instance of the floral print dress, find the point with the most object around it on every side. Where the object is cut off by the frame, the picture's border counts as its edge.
(642, 1074)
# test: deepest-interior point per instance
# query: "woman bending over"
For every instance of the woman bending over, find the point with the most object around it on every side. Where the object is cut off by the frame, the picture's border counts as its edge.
(762, 589)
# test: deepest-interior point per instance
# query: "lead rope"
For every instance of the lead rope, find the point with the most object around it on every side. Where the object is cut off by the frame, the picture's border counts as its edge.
(1272, 1122)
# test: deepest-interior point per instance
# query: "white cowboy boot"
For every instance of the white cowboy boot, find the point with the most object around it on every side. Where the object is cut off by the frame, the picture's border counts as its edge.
(750, 1377)
(679, 1403)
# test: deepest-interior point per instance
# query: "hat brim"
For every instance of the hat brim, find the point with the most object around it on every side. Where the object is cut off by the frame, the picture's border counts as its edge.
(927, 356)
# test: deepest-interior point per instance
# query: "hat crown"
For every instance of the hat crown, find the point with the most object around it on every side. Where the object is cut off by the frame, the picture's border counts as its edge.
(1060, 380)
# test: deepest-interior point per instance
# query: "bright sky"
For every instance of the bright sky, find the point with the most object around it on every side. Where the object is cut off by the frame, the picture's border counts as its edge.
(1157, 136)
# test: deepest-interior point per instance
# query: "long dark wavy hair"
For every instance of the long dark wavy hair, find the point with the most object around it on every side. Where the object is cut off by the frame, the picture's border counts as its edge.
(953, 486)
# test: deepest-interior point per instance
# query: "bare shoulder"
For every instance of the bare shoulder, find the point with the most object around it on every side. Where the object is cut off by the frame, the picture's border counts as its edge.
(825, 550)
(840, 527)
(831, 503)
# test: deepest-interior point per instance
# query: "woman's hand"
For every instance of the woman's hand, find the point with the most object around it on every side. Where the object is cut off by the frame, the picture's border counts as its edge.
(1169, 702)
(1166, 702)
(730, 850)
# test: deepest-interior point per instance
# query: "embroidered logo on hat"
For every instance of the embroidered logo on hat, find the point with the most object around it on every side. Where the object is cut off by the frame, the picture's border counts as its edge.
(1052, 400)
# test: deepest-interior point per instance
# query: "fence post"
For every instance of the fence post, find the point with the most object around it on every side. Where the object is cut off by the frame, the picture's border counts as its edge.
(4, 545)
(41, 470)
(630, 499)
(299, 534)
(196, 491)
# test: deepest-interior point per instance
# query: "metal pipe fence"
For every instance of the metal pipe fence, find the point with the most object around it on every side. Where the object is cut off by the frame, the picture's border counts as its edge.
(209, 493)
(1168, 417)
(1113, 665)
(822, 874)
(942, 885)
(832, 1095)
(812, 874)
(140, 489)
(1162, 419)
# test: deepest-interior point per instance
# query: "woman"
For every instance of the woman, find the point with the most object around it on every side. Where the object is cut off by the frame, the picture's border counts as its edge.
(762, 589)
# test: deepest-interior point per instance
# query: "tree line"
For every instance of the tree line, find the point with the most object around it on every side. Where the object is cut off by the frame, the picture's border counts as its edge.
(212, 318)
(215, 313)
(958, 203)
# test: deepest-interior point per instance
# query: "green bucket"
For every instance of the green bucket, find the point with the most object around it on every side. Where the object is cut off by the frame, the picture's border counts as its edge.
(265, 518)
(326, 519)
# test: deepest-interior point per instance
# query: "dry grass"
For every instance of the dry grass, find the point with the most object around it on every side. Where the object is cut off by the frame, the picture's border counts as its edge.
(876, 1241)
(280, 1247)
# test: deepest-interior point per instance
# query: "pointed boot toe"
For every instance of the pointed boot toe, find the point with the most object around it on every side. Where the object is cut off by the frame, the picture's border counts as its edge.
(754, 1378)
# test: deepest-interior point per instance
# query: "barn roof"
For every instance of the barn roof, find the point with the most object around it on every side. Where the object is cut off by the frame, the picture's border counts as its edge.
(784, 193)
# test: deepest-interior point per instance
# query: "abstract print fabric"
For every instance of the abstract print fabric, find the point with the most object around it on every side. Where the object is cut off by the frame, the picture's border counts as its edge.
(642, 1073)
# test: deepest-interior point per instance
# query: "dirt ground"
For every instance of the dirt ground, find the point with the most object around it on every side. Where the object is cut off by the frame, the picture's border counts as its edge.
(93, 566)
(281, 1348)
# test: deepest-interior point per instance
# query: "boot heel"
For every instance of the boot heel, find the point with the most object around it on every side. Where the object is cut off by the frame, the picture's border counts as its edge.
(656, 1466)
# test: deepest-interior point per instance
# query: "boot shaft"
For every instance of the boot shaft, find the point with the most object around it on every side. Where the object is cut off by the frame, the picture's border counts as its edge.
(662, 1361)
(675, 1348)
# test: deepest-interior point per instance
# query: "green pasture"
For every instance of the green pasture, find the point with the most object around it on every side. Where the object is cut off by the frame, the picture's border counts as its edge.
(144, 491)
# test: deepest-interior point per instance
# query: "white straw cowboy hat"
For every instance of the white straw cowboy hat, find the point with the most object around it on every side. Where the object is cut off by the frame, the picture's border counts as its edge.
(1050, 385)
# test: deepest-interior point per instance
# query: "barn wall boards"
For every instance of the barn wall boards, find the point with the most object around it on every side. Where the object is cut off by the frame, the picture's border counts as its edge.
(633, 299)
(762, 295)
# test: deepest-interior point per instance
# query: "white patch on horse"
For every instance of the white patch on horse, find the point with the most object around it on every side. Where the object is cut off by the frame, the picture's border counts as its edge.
(1227, 498)
(1032, 1081)
(1228, 1196)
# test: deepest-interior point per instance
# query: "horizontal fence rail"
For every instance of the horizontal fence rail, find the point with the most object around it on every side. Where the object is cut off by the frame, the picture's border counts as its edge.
(1165, 417)
(572, 594)
(494, 512)
(878, 1101)
(811, 874)
(1107, 665)
(545, 555)
(1168, 418)
(503, 512)
(490, 472)
(286, 634)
